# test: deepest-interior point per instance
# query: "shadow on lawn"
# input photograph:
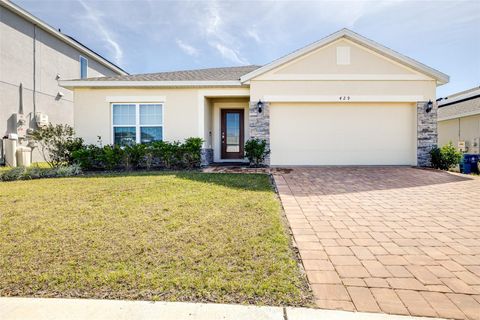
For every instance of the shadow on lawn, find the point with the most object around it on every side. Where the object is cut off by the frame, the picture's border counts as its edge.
(251, 181)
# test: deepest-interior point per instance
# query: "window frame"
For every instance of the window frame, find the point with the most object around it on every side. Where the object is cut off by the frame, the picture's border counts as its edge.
(86, 70)
(137, 125)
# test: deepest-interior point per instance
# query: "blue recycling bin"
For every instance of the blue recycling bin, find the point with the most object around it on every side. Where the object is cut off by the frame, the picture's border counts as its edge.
(470, 163)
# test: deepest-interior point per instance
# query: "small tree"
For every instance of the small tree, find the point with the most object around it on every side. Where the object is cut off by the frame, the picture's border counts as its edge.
(56, 143)
(256, 151)
(445, 157)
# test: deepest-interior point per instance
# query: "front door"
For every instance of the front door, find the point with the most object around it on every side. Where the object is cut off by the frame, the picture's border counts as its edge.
(232, 133)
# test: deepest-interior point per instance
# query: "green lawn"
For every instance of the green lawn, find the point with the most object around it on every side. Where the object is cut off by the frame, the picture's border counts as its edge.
(159, 236)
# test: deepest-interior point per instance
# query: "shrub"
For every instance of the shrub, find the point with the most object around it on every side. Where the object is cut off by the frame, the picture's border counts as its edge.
(22, 173)
(445, 157)
(256, 150)
(134, 155)
(57, 143)
(111, 157)
(13, 174)
(167, 153)
(159, 154)
(192, 152)
(88, 157)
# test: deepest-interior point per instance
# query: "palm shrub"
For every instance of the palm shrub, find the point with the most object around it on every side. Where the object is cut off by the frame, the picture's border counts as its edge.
(445, 157)
(256, 151)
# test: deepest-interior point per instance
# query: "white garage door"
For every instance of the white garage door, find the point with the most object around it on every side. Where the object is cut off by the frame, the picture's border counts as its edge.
(343, 134)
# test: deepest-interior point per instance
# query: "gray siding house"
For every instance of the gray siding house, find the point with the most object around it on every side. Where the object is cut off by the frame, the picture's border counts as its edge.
(459, 120)
(33, 58)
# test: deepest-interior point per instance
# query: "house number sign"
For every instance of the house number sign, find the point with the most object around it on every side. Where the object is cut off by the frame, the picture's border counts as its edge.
(344, 98)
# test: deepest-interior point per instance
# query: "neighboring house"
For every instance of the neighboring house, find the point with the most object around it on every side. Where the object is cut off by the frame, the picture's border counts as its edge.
(33, 57)
(459, 120)
(344, 100)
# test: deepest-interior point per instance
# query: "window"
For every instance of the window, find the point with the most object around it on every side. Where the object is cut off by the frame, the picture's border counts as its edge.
(83, 68)
(137, 123)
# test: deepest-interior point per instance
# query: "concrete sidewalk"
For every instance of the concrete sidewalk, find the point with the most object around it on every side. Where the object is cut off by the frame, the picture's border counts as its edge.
(80, 309)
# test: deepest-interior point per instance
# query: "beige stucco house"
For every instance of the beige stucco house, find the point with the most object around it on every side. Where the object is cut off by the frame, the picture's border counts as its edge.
(344, 100)
(459, 120)
(33, 58)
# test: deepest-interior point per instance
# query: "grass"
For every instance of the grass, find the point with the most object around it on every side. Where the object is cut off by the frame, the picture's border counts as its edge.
(154, 236)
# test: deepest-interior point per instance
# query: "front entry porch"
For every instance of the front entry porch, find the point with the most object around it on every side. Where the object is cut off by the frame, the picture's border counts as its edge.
(226, 129)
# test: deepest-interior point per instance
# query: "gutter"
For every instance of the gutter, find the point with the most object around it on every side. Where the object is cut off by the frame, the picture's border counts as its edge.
(115, 84)
(460, 100)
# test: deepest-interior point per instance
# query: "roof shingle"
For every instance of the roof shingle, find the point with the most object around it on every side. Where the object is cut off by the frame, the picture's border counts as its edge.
(211, 74)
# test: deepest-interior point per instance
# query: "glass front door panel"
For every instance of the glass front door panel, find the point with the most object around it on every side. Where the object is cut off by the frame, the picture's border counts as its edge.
(232, 137)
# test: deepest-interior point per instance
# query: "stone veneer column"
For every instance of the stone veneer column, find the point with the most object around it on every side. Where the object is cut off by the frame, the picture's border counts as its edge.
(206, 157)
(259, 124)
(426, 132)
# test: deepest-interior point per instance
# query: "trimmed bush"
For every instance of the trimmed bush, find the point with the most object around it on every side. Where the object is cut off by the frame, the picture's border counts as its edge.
(159, 154)
(445, 157)
(256, 151)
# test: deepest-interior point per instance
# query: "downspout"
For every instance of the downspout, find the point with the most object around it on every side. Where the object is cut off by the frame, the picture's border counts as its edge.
(34, 70)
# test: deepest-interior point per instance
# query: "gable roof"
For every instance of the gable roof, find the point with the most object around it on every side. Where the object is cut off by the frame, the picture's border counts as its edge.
(440, 77)
(65, 38)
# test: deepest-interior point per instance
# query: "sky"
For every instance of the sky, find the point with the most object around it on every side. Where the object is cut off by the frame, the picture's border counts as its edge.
(143, 36)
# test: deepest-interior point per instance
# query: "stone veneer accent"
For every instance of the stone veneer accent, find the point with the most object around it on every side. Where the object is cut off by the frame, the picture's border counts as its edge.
(259, 124)
(426, 133)
(206, 157)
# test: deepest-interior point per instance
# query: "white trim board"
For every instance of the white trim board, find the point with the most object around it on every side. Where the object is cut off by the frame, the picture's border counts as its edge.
(343, 77)
(343, 98)
(135, 99)
(127, 83)
(355, 37)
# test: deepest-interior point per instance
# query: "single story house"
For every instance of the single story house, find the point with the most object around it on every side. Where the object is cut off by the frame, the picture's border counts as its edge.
(459, 120)
(343, 100)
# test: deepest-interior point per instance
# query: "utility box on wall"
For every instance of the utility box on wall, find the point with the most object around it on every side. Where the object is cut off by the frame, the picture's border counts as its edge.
(476, 145)
(21, 125)
(41, 119)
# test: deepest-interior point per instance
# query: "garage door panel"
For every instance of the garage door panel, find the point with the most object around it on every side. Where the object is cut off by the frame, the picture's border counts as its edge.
(342, 134)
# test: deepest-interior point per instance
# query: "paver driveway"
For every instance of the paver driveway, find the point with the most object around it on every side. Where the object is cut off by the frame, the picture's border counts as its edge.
(392, 239)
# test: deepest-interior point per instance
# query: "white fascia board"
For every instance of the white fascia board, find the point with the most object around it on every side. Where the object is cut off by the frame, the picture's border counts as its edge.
(439, 76)
(44, 26)
(343, 98)
(110, 84)
(343, 77)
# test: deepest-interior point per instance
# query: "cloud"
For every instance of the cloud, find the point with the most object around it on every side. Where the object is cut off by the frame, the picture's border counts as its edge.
(188, 49)
(229, 53)
(254, 35)
(95, 17)
(218, 36)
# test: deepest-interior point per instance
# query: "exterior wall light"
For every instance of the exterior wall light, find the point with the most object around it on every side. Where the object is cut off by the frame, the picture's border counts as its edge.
(429, 105)
(260, 106)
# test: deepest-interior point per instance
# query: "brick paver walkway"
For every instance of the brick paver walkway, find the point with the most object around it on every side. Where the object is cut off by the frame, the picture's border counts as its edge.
(394, 240)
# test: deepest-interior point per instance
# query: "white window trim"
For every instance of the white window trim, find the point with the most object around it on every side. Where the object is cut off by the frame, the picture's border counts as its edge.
(137, 120)
(80, 61)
